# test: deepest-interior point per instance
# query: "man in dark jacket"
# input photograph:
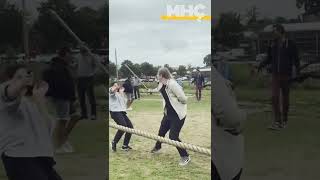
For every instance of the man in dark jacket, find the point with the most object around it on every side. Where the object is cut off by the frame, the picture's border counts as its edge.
(128, 90)
(199, 84)
(282, 56)
(62, 94)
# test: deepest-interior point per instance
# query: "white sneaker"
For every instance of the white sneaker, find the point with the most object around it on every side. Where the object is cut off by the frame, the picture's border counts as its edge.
(184, 160)
(69, 147)
(65, 148)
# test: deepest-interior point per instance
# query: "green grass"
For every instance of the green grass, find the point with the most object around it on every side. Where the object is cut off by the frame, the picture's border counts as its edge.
(292, 153)
(141, 164)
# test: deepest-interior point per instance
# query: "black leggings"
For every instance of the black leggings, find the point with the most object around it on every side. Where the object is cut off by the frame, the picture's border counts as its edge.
(174, 124)
(215, 175)
(30, 168)
(122, 119)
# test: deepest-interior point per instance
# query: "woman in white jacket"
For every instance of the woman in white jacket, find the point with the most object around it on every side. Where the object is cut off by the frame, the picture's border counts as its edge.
(175, 111)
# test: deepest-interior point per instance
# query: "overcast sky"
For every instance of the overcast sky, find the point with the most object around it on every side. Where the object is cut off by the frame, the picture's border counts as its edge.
(139, 34)
(268, 8)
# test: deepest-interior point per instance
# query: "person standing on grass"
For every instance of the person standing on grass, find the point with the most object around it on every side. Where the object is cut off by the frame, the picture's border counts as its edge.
(117, 108)
(26, 128)
(62, 94)
(136, 84)
(87, 68)
(128, 90)
(175, 111)
(228, 141)
(199, 84)
(282, 55)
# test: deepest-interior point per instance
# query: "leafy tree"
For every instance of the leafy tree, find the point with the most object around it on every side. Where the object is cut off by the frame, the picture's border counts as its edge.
(52, 33)
(112, 69)
(280, 20)
(147, 69)
(182, 70)
(310, 6)
(155, 69)
(85, 26)
(137, 69)
(207, 60)
(124, 72)
(228, 30)
(189, 67)
(11, 29)
(3, 4)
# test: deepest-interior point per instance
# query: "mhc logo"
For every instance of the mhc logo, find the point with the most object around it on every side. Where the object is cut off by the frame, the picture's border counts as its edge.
(186, 12)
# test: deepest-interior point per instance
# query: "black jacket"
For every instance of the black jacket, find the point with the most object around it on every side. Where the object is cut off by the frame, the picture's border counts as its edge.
(128, 86)
(198, 80)
(282, 56)
(60, 80)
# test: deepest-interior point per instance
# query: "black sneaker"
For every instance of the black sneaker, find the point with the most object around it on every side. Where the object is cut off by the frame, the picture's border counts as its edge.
(93, 117)
(155, 150)
(114, 146)
(126, 148)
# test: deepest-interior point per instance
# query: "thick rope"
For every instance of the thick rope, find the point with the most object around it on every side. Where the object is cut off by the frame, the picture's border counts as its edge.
(162, 139)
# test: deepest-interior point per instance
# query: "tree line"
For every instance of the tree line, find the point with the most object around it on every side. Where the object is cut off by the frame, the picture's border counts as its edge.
(145, 69)
(45, 34)
(227, 29)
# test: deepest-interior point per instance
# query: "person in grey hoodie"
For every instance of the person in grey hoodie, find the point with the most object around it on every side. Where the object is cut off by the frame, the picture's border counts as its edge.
(227, 140)
(117, 108)
(26, 129)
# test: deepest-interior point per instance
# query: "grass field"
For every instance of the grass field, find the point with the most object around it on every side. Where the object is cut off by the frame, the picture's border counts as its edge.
(89, 141)
(292, 153)
(141, 164)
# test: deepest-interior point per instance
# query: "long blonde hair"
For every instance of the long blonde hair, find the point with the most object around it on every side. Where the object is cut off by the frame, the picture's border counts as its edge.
(165, 73)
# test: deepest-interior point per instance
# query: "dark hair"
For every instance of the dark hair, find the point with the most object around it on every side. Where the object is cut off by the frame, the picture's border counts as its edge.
(63, 51)
(279, 28)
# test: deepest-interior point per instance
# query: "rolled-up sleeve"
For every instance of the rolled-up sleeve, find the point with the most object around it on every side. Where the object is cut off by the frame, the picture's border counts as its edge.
(177, 90)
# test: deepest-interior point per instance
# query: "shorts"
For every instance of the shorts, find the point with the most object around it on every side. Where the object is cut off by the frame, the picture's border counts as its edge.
(62, 109)
(129, 96)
